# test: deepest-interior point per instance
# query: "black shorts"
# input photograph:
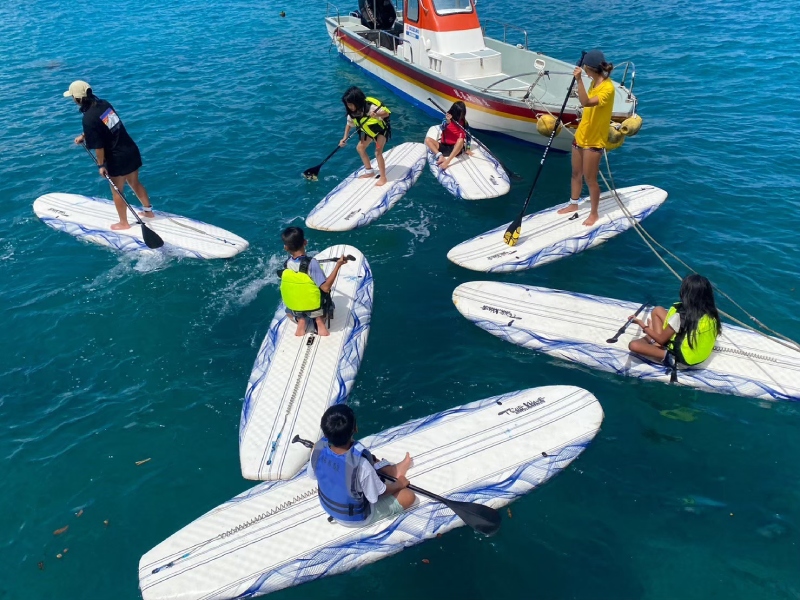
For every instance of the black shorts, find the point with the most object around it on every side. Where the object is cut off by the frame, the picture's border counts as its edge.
(447, 149)
(385, 130)
(124, 162)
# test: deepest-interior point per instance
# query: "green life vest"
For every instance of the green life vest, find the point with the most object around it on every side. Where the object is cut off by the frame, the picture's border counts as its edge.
(704, 340)
(298, 290)
(367, 123)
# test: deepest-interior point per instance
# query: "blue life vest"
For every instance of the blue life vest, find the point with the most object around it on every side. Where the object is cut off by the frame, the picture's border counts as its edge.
(337, 474)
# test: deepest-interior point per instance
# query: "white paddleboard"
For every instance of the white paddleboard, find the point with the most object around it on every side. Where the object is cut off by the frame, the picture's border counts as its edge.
(356, 202)
(277, 535)
(90, 219)
(294, 379)
(575, 327)
(471, 177)
(547, 236)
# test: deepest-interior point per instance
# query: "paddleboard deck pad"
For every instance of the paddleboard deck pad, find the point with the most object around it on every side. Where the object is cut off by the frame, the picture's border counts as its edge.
(277, 535)
(575, 327)
(357, 202)
(90, 219)
(475, 176)
(295, 379)
(547, 236)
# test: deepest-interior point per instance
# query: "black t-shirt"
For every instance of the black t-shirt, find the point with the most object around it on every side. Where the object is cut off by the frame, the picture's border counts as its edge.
(103, 128)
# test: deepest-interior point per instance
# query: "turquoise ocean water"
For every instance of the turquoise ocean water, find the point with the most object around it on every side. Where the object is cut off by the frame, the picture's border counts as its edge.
(109, 360)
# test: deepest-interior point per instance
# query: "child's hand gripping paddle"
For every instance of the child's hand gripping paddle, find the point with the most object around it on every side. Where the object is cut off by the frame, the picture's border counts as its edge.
(613, 340)
(511, 236)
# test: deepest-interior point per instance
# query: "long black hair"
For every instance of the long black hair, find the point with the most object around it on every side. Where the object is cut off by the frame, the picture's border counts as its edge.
(458, 111)
(87, 101)
(356, 97)
(697, 301)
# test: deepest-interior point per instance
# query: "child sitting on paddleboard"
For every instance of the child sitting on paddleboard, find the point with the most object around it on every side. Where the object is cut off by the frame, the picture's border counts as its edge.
(453, 139)
(592, 133)
(350, 487)
(303, 283)
(687, 331)
(371, 118)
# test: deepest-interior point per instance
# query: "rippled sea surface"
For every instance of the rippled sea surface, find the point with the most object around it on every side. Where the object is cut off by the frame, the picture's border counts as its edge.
(108, 360)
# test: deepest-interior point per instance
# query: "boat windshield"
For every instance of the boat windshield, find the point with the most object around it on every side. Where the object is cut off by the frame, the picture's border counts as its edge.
(450, 7)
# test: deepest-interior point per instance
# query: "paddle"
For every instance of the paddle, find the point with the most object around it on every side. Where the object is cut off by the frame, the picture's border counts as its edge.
(312, 173)
(482, 519)
(348, 257)
(622, 329)
(150, 237)
(511, 173)
(511, 236)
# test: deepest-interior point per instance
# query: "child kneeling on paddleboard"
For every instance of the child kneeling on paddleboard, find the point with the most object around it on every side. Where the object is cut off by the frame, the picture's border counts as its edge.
(454, 139)
(350, 487)
(303, 284)
(686, 333)
(371, 118)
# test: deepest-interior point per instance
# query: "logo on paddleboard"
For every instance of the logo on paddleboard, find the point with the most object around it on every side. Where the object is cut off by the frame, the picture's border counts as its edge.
(500, 311)
(522, 407)
(58, 212)
(351, 215)
(499, 254)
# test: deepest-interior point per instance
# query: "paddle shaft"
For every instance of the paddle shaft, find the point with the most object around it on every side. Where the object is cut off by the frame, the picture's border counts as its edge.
(627, 323)
(113, 185)
(550, 141)
(348, 257)
(335, 150)
(477, 141)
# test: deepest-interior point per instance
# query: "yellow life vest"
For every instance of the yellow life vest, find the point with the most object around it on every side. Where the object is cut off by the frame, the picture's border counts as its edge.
(367, 123)
(704, 339)
(298, 290)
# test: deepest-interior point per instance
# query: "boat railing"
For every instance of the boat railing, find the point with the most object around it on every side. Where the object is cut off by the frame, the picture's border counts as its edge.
(632, 67)
(506, 27)
(330, 9)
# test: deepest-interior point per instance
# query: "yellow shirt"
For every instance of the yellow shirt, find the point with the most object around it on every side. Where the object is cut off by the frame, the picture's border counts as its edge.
(593, 129)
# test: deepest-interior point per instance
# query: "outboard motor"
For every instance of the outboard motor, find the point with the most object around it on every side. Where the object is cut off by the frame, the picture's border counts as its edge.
(377, 14)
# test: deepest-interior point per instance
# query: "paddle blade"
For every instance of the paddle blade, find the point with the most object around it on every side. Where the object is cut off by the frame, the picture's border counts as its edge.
(151, 238)
(312, 174)
(482, 519)
(511, 236)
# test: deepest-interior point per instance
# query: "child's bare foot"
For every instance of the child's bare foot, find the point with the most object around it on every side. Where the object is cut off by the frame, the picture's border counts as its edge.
(301, 328)
(368, 174)
(120, 226)
(322, 331)
(404, 465)
(591, 220)
(569, 208)
(147, 213)
(381, 181)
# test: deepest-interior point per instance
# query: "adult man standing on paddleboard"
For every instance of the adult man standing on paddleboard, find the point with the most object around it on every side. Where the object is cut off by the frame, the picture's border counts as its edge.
(118, 155)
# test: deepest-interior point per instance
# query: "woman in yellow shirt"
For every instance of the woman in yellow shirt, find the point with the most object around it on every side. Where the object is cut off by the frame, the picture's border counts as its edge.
(592, 133)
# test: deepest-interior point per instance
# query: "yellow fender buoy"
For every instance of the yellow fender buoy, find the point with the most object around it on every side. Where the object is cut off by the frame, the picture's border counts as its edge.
(615, 139)
(631, 125)
(545, 125)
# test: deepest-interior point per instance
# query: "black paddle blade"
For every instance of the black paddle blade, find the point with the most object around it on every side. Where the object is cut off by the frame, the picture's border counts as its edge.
(151, 238)
(482, 519)
(511, 236)
(312, 174)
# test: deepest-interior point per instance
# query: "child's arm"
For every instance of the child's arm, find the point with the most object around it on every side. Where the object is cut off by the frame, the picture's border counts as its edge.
(328, 283)
(661, 336)
(343, 141)
(456, 151)
(398, 484)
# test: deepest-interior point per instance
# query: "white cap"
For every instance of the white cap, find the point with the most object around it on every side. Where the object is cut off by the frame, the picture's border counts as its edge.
(77, 89)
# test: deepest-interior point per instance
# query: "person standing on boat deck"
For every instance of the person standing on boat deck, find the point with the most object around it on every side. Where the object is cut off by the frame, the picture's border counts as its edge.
(592, 133)
(371, 118)
(118, 155)
(453, 140)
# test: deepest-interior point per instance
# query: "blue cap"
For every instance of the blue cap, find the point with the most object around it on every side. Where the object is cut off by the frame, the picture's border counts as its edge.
(594, 58)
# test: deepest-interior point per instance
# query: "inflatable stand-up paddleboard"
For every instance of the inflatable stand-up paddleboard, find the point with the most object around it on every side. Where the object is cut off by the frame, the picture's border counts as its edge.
(547, 236)
(475, 176)
(276, 535)
(356, 202)
(90, 219)
(575, 327)
(294, 379)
